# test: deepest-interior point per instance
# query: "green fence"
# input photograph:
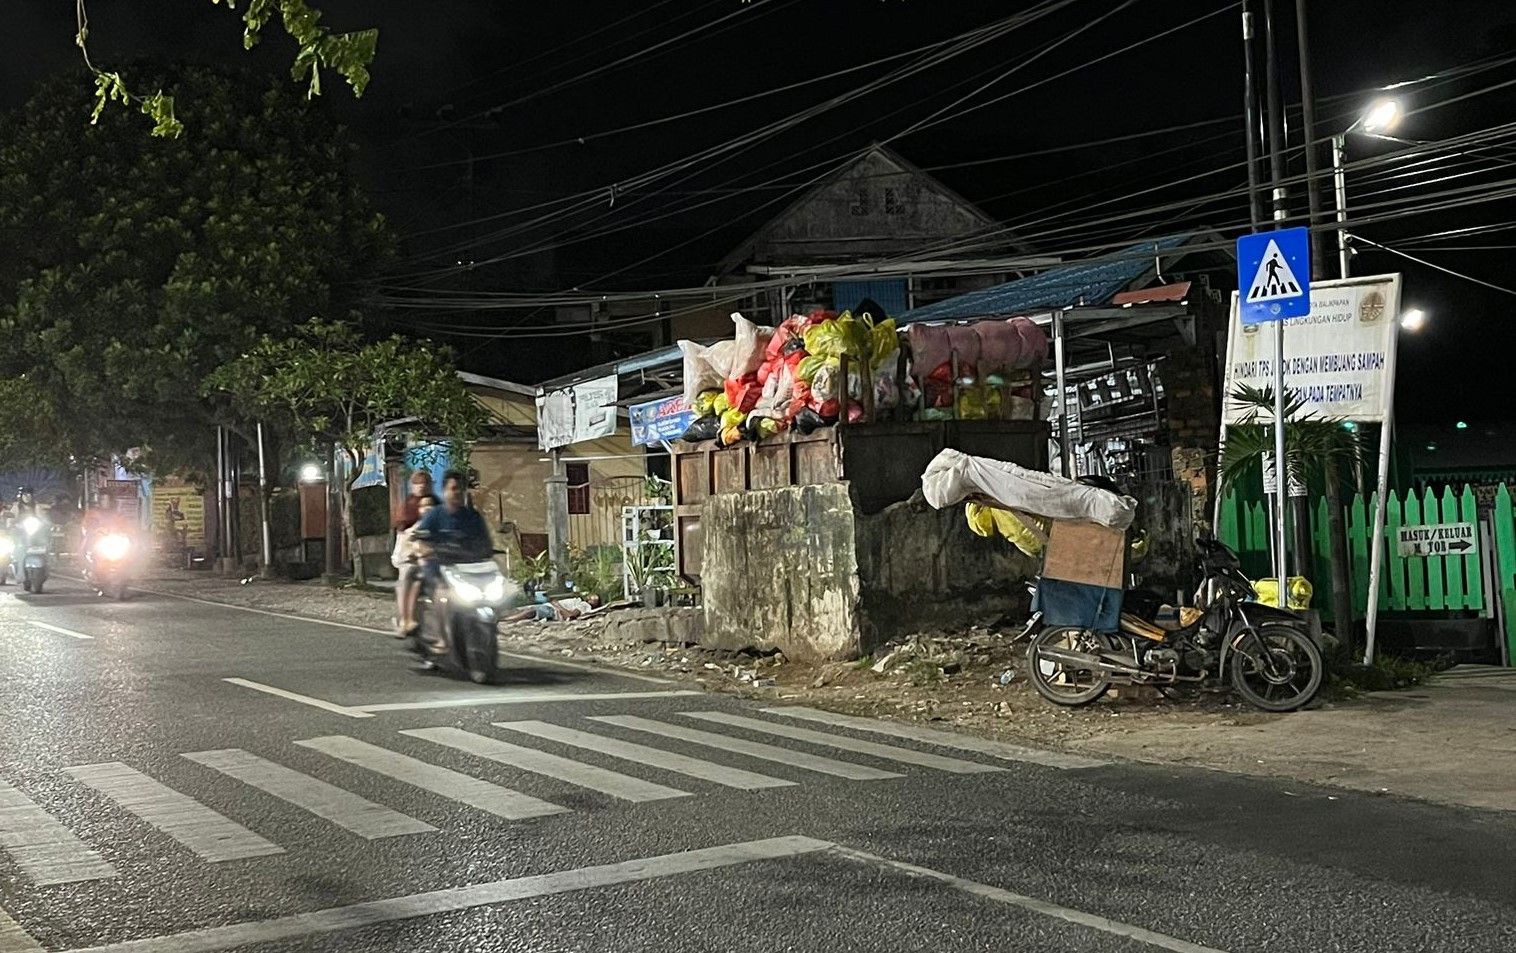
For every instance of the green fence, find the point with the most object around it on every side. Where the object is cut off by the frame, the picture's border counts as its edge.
(1410, 583)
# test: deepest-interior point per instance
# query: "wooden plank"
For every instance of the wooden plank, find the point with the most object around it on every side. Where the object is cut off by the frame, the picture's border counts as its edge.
(1414, 567)
(1473, 572)
(1358, 552)
(1505, 564)
(1321, 558)
(1392, 585)
(1439, 585)
(1226, 526)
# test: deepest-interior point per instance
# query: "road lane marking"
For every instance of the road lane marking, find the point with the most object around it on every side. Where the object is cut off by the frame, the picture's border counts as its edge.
(210, 835)
(376, 912)
(13, 939)
(60, 630)
(297, 697)
(43, 848)
(652, 757)
(453, 785)
(888, 752)
(516, 698)
(1067, 914)
(327, 801)
(519, 656)
(753, 749)
(945, 739)
(540, 762)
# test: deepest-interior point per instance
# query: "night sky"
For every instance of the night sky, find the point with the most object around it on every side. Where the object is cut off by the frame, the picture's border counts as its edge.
(461, 78)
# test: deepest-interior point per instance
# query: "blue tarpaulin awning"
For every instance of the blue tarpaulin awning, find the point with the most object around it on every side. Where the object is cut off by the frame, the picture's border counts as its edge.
(1084, 283)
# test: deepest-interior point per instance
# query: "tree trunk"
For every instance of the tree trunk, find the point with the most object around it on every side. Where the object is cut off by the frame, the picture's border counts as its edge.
(1342, 601)
(333, 522)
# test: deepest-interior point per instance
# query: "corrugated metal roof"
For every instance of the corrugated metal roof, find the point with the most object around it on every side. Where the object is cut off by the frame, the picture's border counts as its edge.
(1092, 282)
(1177, 291)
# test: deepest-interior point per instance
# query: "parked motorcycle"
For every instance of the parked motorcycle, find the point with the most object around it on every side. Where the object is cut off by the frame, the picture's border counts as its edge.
(32, 541)
(460, 617)
(107, 564)
(1266, 654)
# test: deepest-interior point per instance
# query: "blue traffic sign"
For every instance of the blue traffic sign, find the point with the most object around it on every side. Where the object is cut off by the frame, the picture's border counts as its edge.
(1274, 275)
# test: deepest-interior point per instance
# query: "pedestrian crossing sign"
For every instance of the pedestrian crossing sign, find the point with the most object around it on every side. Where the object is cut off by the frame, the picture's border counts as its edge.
(1274, 275)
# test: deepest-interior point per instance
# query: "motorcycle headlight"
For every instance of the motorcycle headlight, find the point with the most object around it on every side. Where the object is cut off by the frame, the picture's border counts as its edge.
(6, 546)
(495, 591)
(30, 525)
(467, 593)
(113, 547)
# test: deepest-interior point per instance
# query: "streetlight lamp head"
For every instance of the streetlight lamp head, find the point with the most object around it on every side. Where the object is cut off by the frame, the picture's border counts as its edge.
(1382, 116)
(1413, 320)
(310, 473)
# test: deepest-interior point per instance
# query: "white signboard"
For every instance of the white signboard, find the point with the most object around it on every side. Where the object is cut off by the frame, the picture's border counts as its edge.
(1440, 539)
(1335, 358)
(584, 411)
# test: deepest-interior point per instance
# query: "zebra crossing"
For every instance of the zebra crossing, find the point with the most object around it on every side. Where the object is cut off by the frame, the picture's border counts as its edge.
(46, 853)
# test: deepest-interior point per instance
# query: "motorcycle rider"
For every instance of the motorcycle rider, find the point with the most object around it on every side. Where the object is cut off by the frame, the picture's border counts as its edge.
(455, 527)
(103, 519)
(407, 584)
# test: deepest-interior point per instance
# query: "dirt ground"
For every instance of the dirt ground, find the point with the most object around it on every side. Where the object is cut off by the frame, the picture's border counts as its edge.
(1452, 741)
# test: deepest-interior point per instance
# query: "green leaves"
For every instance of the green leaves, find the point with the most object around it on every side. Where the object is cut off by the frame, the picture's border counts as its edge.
(326, 385)
(317, 49)
(1310, 441)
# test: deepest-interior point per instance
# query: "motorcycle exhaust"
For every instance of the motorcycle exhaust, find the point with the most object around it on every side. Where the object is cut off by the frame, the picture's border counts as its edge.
(1086, 661)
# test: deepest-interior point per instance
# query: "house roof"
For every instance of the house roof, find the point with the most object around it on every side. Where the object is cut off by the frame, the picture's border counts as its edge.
(1093, 282)
(743, 252)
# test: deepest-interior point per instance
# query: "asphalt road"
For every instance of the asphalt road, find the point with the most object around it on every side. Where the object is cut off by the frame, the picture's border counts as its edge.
(177, 776)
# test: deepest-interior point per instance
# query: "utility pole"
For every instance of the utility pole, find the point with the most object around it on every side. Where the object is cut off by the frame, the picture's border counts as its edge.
(268, 536)
(333, 521)
(1250, 112)
(1308, 132)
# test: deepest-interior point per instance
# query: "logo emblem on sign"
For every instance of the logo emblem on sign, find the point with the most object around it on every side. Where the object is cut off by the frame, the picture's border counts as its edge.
(1371, 308)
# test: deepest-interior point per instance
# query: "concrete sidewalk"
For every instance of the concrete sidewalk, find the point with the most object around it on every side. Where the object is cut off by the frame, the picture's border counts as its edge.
(1452, 740)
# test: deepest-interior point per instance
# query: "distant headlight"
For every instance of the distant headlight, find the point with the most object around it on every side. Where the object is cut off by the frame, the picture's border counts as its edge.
(113, 547)
(31, 524)
(6, 546)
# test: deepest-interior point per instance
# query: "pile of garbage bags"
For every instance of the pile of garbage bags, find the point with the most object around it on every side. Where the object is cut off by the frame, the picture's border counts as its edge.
(995, 362)
(767, 380)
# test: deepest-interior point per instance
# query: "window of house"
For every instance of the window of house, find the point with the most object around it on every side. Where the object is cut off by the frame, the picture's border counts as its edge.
(894, 202)
(861, 202)
(579, 488)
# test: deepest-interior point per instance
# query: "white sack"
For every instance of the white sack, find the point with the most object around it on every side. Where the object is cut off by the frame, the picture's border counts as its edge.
(953, 477)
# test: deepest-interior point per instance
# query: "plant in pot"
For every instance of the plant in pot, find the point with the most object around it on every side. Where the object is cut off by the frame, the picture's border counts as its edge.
(650, 569)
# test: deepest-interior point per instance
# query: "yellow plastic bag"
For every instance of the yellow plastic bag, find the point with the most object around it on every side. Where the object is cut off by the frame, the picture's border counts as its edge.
(719, 403)
(839, 336)
(885, 340)
(1028, 538)
(1300, 592)
(732, 418)
(981, 519)
(808, 366)
(705, 403)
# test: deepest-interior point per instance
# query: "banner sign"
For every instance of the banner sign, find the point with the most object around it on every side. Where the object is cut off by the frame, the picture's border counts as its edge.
(585, 411)
(178, 516)
(372, 472)
(660, 420)
(1335, 357)
(1437, 539)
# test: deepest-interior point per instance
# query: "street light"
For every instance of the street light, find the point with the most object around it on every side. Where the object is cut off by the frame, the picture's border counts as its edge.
(310, 473)
(1413, 320)
(1381, 116)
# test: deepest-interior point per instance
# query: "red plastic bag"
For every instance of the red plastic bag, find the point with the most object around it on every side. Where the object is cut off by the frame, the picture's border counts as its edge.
(742, 393)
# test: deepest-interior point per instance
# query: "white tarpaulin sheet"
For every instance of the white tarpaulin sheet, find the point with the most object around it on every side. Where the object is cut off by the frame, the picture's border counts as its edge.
(953, 477)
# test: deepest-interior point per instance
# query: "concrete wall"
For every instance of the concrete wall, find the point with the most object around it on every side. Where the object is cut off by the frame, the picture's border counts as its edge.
(800, 570)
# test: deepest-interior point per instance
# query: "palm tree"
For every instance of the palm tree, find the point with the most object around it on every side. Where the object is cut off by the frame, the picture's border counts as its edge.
(1314, 446)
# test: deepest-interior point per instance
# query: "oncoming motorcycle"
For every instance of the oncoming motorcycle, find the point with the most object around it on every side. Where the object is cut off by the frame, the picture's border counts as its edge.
(460, 616)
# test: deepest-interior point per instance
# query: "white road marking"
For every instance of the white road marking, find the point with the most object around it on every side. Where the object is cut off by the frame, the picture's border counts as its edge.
(888, 752)
(945, 739)
(13, 939)
(210, 835)
(375, 912)
(328, 802)
(297, 697)
(652, 757)
(519, 656)
(516, 698)
(1079, 917)
(540, 762)
(60, 630)
(502, 802)
(43, 848)
(753, 749)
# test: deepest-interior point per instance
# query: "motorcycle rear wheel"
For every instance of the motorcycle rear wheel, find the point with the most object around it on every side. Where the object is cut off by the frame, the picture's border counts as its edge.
(1059, 683)
(1288, 679)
